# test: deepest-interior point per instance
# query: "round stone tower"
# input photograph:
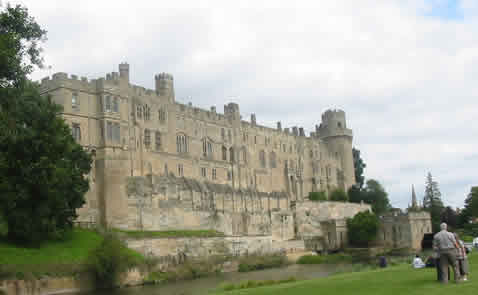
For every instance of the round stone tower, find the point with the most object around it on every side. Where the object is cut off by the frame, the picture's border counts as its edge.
(165, 85)
(338, 138)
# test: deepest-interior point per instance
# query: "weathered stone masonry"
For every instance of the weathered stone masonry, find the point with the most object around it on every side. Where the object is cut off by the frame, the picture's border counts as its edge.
(162, 165)
(137, 132)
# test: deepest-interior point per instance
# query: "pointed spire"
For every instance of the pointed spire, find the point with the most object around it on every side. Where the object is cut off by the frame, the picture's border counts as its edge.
(414, 198)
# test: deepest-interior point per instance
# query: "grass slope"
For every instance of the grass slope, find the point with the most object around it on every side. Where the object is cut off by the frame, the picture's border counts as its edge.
(400, 279)
(75, 249)
(55, 258)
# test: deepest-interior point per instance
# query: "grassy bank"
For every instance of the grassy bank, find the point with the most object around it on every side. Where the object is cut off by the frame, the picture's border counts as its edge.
(54, 258)
(400, 279)
(136, 234)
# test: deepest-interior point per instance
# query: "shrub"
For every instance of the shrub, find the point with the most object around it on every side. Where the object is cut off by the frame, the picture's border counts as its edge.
(323, 259)
(362, 228)
(255, 262)
(317, 196)
(110, 259)
(339, 195)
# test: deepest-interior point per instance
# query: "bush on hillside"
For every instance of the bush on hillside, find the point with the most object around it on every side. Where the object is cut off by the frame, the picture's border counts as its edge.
(339, 195)
(110, 259)
(362, 228)
(317, 196)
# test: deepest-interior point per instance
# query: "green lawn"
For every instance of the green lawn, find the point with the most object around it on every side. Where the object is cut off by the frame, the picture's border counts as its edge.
(401, 279)
(72, 250)
(53, 257)
(136, 234)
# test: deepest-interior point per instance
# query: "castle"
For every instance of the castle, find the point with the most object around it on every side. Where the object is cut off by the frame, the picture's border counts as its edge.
(160, 165)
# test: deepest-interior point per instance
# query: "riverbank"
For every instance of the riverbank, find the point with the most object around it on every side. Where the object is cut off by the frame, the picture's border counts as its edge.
(399, 279)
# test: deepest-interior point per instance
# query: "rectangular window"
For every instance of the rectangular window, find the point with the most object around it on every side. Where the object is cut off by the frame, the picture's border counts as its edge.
(147, 138)
(180, 170)
(109, 131)
(108, 103)
(116, 133)
(214, 173)
(162, 116)
(76, 132)
(157, 140)
(139, 112)
(75, 103)
(203, 172)
(115, 105)
(229, 175)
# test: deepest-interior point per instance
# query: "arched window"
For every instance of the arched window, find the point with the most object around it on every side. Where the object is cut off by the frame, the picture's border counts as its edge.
(207, 148)
(146, 113)
(262, 159)
(181, 143)
(231, 154)
(157, 140)
(224, 153)
(115, 104)
(162, 115)
(147, 138)
(272, 160)
(223, 134)
(244, 155)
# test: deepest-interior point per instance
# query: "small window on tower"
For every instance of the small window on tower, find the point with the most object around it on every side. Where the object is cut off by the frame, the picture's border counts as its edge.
(75, 103)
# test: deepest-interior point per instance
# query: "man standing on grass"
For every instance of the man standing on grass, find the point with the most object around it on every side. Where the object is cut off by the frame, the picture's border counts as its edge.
(445, 244)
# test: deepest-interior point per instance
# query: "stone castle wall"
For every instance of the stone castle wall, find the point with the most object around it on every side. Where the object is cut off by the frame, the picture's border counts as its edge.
(399, 230)
(135, 131)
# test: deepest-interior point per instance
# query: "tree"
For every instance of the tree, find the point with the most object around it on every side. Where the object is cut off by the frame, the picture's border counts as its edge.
(359, 166)
(471, 206)
(338, 195)
(450, 217)
(356, 195)
(362, 228)
(19, 50)
(432, 202)
(42, 168)
(376, 195)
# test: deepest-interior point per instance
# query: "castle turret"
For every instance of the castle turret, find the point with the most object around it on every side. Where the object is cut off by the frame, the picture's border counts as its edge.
(165, 86)
(334, 132)
(124, 71)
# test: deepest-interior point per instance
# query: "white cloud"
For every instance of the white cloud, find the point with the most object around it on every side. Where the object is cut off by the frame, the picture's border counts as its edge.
(406, 81)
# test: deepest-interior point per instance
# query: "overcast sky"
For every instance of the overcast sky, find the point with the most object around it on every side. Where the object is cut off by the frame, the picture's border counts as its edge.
(405, 72)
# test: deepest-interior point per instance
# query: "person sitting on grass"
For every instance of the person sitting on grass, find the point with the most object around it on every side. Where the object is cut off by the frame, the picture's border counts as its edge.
(431, 261)
(418, 262)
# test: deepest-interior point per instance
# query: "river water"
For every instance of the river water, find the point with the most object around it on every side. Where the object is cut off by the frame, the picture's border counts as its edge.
(206, 285)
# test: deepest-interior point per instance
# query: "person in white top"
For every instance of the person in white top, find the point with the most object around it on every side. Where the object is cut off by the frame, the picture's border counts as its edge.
(418, 262)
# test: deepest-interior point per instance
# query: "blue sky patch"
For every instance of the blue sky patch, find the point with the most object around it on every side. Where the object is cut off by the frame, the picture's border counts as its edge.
(444, 9)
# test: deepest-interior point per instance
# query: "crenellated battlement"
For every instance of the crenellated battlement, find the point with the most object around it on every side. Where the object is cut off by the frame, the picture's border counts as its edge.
(164, 76)
(62, 79)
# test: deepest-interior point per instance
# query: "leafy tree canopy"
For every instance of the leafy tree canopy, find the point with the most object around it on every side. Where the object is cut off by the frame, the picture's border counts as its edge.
(471, 207)
(359, 166)
(450, 217)
(362, 228)
(377, 197)
(19, 50)
(42, 168)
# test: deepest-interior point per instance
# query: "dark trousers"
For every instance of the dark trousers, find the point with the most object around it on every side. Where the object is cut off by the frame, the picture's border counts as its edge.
(438, 269)
(448, 257)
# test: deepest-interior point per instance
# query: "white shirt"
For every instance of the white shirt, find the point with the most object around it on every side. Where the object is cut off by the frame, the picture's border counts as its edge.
(418, 263)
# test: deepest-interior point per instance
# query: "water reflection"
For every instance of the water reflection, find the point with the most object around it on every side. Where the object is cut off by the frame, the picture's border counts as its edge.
(206, 285)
